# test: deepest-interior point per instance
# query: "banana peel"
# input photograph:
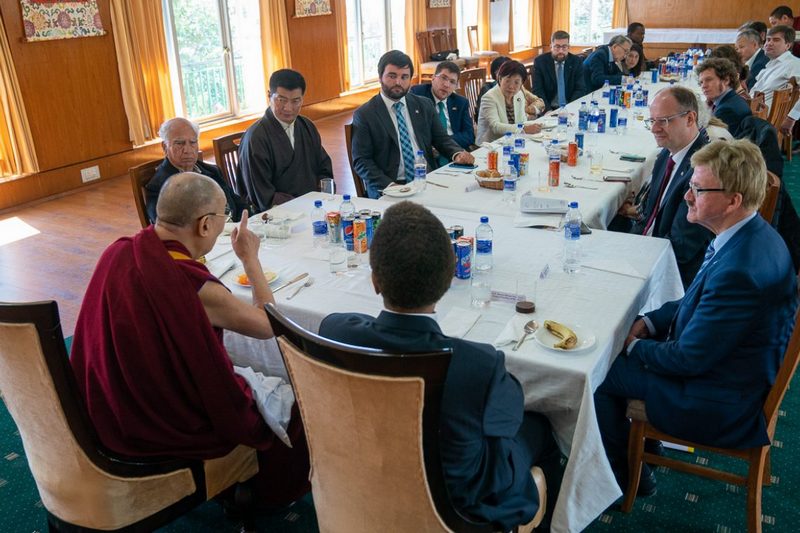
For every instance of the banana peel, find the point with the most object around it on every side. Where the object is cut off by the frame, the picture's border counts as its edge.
(568, 337)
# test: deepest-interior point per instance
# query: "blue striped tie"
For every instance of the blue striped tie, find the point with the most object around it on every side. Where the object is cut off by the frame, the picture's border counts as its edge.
(562, 97)
(710, 251)
(405, 142)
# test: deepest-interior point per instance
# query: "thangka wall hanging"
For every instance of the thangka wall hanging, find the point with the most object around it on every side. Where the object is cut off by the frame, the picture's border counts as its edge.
(45, 20)
(311, 8)
(439, 3)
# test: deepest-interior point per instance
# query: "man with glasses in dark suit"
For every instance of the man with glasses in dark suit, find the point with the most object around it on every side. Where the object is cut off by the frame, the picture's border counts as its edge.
(558, 75)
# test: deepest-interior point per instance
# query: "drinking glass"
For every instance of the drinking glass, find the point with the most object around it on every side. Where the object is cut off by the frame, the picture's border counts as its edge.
(328, 186)
(480, 288)
(337, 257)
(596, 160)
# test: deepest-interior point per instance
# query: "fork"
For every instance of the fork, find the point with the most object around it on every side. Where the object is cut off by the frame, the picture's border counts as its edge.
(308, 283)
(569, 185)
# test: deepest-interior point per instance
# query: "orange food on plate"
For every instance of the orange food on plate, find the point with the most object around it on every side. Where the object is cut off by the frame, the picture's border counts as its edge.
(242, 279)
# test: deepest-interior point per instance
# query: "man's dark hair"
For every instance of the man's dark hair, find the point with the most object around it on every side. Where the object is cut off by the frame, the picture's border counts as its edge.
(633, 26)
(686, 99)
(449, 66)
(559, 34)
(786, 32)
(288, 79)
(511, 68)
(496, 63)
(411, 257)
(782, 11)
(760, 27)
(724, 68)
(396, 58)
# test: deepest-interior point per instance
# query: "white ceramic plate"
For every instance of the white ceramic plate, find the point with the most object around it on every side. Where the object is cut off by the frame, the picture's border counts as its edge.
(586, 339)
(271, 276)
(400, 191)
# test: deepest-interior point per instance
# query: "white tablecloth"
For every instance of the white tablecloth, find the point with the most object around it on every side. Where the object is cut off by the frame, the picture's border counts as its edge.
(681, 35)
(643, 275)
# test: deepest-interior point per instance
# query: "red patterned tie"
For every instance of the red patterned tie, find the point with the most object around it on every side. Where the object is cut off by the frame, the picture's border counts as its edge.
(656, 207)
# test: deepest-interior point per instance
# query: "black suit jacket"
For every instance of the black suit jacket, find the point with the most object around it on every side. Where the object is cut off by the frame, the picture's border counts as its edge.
(482, 411)
(689, 241)
(597, 69)
(376, 147)
(458, 113)
(759, 63)
(731, 110)
(545, 83)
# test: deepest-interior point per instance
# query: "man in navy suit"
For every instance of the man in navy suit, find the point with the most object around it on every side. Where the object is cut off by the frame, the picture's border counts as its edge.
(718, 77)
(393, 125)
(602, 64)
(488, 443)
(558, 75)
(451, 109)
(674, 125)
(748, 46)
(704, 364)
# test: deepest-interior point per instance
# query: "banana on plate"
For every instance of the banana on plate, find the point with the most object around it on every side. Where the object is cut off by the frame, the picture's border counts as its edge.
(568, 337)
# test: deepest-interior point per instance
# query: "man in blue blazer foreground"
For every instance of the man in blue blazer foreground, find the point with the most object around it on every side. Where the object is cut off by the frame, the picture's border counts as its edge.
(718, 77)
(558, 75)
(704, 364)
(450, 108)
(488, 443)
(393, 125)
(603, 64)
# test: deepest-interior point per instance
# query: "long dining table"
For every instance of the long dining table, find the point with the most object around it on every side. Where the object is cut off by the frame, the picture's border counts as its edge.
(621, 276)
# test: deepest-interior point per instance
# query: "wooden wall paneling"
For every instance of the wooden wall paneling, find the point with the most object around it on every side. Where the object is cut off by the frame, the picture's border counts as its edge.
(500, 28)
(701, 13)
(71, 92)
(439, 17)
(313, 42)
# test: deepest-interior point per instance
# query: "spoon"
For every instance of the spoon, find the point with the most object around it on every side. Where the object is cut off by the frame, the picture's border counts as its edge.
(569, 185)
(573, 176)
(530, 327)
(308, 283)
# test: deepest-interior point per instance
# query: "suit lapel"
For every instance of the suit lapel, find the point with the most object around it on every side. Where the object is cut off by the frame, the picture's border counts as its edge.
(384, 119)
(417, 120)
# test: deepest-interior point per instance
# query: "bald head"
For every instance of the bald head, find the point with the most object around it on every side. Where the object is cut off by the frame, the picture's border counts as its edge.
(187, 196)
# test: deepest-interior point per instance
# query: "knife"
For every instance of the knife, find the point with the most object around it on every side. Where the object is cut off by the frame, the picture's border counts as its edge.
(294, 280)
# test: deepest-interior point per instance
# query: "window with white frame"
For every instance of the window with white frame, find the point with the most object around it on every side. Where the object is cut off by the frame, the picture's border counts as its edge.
(521, 24)
(588, 19)
(373, 28)
(466, 15)
(215, 57)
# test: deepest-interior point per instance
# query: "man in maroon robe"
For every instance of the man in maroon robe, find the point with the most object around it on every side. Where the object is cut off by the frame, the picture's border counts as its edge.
(148, 353)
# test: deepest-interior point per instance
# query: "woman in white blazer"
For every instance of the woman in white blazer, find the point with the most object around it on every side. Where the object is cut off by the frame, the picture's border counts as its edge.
(504, 99)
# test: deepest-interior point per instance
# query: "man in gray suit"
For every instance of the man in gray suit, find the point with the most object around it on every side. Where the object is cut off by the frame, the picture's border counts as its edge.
(390, 128)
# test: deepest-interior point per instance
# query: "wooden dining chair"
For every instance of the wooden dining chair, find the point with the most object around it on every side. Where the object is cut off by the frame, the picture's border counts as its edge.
(226, 156)
(485, 57)
(361, 188)
(758, 473)
(469, 85)
(782, 102)
(767, 209)
(758, 107)
(141, 176)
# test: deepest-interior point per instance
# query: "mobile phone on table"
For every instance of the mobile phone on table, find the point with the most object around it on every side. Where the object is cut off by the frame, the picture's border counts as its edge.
(632, 157)
(460, 165)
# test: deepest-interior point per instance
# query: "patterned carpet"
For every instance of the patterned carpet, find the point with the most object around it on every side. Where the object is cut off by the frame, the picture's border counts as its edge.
(683, 503)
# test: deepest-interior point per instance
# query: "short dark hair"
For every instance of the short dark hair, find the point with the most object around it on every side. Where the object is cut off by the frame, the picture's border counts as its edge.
(448, 66)
(396, 58)
(686, 99)
(288, 79)
(633, 26)
(786, 32)
(411, 257)
(497, 62)
(511, 68)
(559, 34)
(760, 27)
(782, 11)
(724, 68)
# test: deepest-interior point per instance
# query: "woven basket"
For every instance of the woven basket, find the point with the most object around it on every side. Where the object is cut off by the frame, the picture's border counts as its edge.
(490, 183)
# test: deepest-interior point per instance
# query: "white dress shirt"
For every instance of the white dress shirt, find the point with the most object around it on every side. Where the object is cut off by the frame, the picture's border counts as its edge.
(288, 129)
(678, 157)
(401, 170)
(776, 74)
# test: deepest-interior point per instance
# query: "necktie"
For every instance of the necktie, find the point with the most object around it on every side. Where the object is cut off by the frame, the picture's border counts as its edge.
(712, 105)
(661, 190)
(562, 97)
(443, 119)
(405, 141)
(710, 251)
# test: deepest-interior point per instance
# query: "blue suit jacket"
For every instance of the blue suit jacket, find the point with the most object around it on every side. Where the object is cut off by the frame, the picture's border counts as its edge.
(376, 148)
(709, 378)
(597, 69)
(458, 112)
(731, 110)
(759, 63)
(482, 410)
(545, 84)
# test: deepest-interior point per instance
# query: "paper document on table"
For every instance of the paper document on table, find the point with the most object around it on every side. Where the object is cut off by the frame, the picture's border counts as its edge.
(529, 203)
(537, 220)
(613, 266)
(459, 321)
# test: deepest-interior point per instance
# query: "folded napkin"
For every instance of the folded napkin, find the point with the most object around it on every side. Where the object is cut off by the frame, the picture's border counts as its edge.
(513, 330)
(276, 231)
(472, 186)
(218, 251)
(221, 265)
(274, 399)
(283, 215)
(614, 266)
(614, 167)
(459, 321)
(538, 220)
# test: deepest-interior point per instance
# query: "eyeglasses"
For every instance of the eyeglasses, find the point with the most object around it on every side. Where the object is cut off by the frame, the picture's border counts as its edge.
(283, 101)
(663, 122)
(451, 81)
(560, 47)
(226, 213)
(697, 191)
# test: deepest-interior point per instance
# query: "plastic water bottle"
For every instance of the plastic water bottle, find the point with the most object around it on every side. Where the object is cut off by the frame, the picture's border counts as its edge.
(583, 117)
(594, 117)
(563, 120)
(622, 121)
(319, 225)
(347, 208)
(347, 211)
(638, 96)
(420, 171)
(510, 184)
(483, 245)
(572, 239)
(606, 89)
(519, 139)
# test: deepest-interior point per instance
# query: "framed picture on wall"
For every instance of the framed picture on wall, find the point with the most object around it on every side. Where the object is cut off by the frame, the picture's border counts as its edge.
(312, 8)
(439, 3)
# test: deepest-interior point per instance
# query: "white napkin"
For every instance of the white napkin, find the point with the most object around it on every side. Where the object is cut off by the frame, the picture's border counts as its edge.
(274, 399)
(459, 321)
(276, 231)
(614, 167)
(280, 215)
(615, 266)
(513, 330)
(218, 251)
(473, 186)
(537, 220)
(221, 265)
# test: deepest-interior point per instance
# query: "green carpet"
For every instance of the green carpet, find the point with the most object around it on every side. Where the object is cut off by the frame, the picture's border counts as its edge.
(683, 503)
